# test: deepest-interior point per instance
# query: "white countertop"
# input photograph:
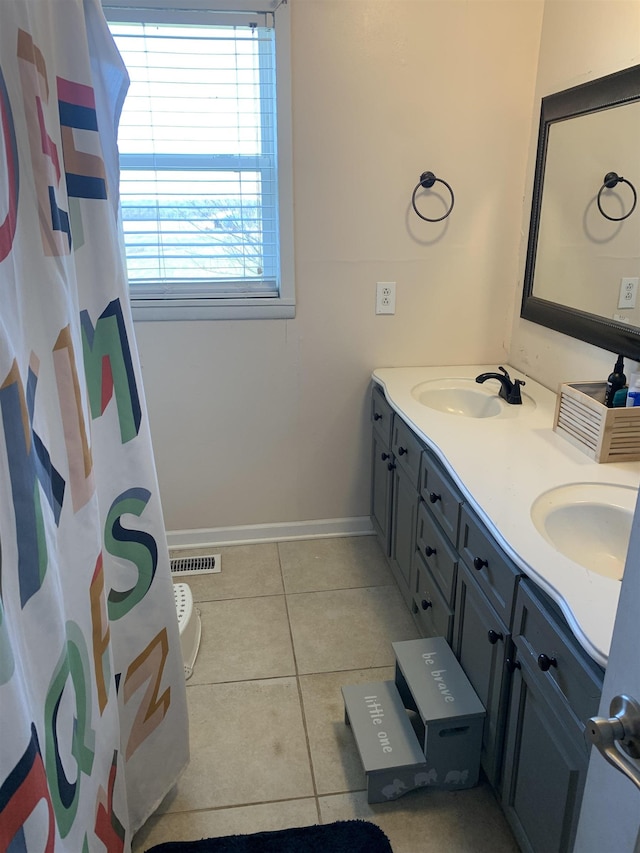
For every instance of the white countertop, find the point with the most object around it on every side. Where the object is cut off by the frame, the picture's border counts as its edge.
(502, 465)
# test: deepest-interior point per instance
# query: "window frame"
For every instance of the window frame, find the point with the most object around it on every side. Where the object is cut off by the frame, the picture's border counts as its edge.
(211, 307)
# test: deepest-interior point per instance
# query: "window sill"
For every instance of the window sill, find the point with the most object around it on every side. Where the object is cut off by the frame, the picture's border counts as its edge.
(212, 309)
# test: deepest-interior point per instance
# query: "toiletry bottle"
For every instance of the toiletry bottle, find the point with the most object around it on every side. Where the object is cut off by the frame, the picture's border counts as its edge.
(615, 381)
(633, 395)
(620, 398)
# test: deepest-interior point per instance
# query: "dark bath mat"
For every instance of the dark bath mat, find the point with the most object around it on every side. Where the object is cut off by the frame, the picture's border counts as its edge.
(345, 836)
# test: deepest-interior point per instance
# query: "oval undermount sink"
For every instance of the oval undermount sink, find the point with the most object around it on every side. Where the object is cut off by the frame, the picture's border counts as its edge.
(465, 397)
(590, 523)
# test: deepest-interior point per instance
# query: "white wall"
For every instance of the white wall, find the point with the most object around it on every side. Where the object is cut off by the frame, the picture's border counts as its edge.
(581, 41)
(267, 421)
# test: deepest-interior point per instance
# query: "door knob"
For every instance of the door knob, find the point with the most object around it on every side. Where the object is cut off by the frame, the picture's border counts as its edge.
(622, 728)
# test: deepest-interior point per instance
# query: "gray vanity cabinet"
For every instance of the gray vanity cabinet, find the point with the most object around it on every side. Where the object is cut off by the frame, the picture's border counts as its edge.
(537, 684)
(556, 688)
(486, 590)
(381, 468)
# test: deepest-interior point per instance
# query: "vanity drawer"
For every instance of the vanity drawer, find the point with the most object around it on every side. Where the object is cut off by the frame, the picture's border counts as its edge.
(442, 497)
(431, 612)
(554, 657)
(496, 575)
(407, 450)
(437, 553)
(381, 415)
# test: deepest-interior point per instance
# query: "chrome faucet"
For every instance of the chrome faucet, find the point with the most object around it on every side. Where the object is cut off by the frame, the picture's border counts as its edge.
(509, 390)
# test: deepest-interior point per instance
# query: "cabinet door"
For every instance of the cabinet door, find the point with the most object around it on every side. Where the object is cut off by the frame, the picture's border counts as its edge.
(494, 572)
(545, 769)
(437, 553)
(381, 485)
(564, 671)
(381, 414)
(407, 450)
(431, 612)
(482, 656)
(441, 495)
(403, 530)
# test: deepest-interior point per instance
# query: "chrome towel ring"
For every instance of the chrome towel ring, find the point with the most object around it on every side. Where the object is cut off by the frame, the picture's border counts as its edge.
(610, 181)
(427, 180)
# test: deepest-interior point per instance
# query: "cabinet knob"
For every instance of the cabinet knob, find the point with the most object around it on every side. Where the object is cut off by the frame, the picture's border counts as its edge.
(425, 604)
(377, 416)
(494, 636)
(390, 466)
(434, 498)
(545, 662)
(402, 451)
(429, 551)
(479, 563)
(385, 456)
(512, 665)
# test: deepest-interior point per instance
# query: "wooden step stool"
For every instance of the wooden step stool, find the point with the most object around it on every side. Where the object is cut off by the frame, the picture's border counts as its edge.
(431, 682)
(445, 751)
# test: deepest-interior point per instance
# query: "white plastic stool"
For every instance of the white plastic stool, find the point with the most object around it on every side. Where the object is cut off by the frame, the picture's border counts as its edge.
(189, 624)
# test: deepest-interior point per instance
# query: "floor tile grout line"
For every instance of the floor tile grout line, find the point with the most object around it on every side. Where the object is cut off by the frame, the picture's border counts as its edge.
(285, 594)
(248, 804)
(299, 688)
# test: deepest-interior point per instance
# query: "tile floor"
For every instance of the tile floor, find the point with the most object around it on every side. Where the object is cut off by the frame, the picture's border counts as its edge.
(284, 626)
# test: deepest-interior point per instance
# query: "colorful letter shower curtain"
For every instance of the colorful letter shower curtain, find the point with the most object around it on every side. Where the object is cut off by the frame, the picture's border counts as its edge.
(93, 719)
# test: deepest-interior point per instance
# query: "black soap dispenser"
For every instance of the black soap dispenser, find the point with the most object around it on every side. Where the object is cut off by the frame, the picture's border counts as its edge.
(615, 381)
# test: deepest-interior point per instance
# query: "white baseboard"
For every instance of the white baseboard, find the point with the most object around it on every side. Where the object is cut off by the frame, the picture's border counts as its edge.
(254, 533)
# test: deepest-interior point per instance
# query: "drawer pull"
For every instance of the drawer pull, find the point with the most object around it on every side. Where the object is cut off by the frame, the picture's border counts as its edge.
(402, 451)
(494, 636)
(512, 665)
(434, 498)
(377, 416)
(425, 604)
(545, 662)
(429, 551)
(479, 563)
(385, 456)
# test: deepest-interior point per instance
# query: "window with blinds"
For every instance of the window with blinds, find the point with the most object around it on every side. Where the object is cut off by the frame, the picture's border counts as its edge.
(198, 137)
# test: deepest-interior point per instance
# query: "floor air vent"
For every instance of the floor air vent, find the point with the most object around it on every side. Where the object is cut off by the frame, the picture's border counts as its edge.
(204, 564)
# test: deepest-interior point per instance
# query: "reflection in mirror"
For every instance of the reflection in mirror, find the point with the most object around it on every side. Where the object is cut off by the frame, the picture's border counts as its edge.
(582, 269)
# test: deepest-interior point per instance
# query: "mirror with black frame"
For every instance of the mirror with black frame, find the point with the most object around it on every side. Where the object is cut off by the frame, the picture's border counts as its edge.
(583, 255)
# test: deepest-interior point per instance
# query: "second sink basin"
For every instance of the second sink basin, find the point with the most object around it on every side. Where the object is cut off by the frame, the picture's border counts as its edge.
(590, 523)
(465, 397)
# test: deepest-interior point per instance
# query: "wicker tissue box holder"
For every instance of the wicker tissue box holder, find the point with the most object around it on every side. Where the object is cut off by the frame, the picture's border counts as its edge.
(606, 435)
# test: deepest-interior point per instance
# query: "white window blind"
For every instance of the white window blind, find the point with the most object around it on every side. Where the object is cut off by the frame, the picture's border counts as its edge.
(198, 155)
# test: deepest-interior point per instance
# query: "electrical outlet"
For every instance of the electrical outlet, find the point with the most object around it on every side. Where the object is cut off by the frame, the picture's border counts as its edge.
(628, 293)
(386, 297)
